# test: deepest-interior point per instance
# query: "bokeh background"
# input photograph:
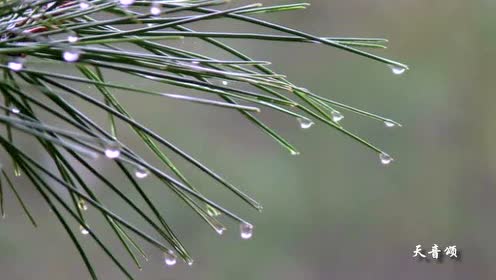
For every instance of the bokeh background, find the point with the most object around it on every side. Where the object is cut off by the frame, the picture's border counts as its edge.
(334, 212)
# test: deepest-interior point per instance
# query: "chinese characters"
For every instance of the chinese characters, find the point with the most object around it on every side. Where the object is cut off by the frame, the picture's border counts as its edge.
(435, 253)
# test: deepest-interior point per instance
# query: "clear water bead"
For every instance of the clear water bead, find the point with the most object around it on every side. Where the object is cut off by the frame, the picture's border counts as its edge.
(397, 70)
(126, 2)
(225, 83)
(385, 158)
(14, 110)
(83, 230)
(156, 9)
(16, 64)
(295, 153)
(220, 229)
(170, 258)
(212, 212)
(141, 172)
(246, 230)
(83, 5)
(72, 37)
(71, 55)
(112, 150)
(389, 124)
(337, 116)
(305, 123)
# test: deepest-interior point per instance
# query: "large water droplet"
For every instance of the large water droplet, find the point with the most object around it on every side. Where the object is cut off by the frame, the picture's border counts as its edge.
(337, 116)
(72, 37)
(83, 230)
(156, 9)
(82, 204)
(225, 83)
(385, 158)
(112, 150)
(305, 123)
(170, 258)
(141, 172)
(397, 70)
(126, 3)
(71, 55)
(190, 262)
(246, 230)
(16, 64)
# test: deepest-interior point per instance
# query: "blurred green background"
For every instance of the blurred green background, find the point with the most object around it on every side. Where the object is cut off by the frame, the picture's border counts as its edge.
(334, 212)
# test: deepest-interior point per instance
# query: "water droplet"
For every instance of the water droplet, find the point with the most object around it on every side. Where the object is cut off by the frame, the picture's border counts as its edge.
(397, 70)
(246, 230)
(71, 55)
(295, 153)
(156, 9)
(170, 258)
(83, 5)
(83, 230)
(126, 3)
(16, 64)
(14, 110)
(82, 204)
(389, 124)
(337, 116)
(17, 170)
(112, 150)
(212, 212)
(385, 158)
(220, 229)
(225, 83)
(190, 262)
(195, 62)
(72, 37)
(141, 172)
(305, 123)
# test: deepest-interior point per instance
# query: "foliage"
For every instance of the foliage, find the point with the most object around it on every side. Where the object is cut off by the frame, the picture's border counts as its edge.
(98, 39)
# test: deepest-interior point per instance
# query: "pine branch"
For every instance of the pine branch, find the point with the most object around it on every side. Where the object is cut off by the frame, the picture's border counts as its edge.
(70, 35)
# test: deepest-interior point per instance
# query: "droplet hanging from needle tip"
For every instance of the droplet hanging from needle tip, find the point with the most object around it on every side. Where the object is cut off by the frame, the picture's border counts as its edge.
(397, 70)
(385, 159)
(112, 150)
(170, 258)
(246, 230)
(305, 123)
